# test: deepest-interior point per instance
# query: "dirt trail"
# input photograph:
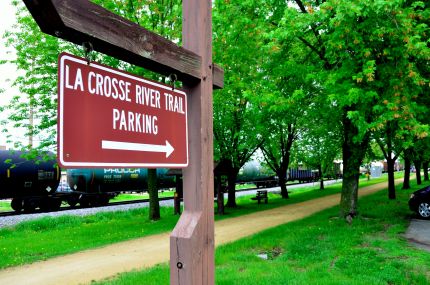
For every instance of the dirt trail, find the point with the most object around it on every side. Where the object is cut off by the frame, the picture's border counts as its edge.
(86, 266)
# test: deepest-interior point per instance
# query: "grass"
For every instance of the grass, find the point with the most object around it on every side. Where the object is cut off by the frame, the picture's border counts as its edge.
(144, 195)
(245, 186)
(320, 249)
(5, 206)
(51, 237)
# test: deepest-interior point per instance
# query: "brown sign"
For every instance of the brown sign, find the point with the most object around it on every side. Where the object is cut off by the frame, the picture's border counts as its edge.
(110, 118)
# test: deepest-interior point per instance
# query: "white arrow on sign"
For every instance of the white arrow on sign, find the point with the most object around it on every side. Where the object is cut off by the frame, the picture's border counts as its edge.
(167, 148)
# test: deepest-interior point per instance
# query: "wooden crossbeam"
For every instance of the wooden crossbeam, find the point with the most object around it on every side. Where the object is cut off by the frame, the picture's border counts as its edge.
(80, 21)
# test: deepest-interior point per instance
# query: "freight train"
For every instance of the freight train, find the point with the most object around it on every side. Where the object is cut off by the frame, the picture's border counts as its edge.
(254, 172)
(33, 184)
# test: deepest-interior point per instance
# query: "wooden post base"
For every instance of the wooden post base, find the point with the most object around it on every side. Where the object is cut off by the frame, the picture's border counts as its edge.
(185, 250)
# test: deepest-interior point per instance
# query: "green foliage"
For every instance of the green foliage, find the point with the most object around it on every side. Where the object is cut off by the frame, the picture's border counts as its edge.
(371, 58)
(237, 35)
(372, 49)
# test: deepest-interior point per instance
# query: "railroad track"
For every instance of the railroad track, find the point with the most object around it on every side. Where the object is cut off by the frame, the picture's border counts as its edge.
(111, 204)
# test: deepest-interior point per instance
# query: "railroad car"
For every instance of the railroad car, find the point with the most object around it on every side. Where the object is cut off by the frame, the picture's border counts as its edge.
(254, 172)
(28, 183)
(98, 186)
(302, 175)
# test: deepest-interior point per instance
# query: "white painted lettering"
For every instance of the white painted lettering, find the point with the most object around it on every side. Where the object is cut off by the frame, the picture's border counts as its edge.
(99, 84)
(115, 118)
(114, 83)
(68, 85)
(107, 87)
(78, 80)
(123, 124)
(139, 95)
(131, 121)
(134, 122)
(90, 88)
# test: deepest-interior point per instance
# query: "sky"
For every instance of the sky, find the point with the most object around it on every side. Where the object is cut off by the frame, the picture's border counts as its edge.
(7, 71)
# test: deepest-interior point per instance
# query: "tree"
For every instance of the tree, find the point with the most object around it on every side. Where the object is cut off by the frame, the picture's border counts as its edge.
(391, 148)
(237, 35)
(285, 98)
(368, 51)
(407, 154)
(320, 144)
(154, 205)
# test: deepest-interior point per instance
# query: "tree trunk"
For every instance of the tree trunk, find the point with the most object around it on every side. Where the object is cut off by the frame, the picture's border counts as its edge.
(426, 170)
(154, 206)
(231, 185)
(320, 173)
(353, 154)
(282, 175)
(178, 195)
(349, 195)
(391, 185)
(417, 164)
(220, 195)
(407, 175)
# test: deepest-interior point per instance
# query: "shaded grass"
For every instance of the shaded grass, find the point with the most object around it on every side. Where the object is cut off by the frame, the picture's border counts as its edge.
(320, 249)
(49, 237)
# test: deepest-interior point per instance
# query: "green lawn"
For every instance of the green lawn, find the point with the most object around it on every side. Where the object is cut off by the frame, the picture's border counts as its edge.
(321, 249)
(50, 237)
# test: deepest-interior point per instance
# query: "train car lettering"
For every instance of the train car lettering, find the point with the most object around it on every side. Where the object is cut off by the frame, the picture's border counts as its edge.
(122, 170)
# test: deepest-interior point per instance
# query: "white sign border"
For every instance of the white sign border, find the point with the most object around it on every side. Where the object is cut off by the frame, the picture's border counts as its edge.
(65, 56)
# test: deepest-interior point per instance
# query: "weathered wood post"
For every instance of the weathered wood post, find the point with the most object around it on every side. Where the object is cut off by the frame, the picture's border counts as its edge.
(192, 240)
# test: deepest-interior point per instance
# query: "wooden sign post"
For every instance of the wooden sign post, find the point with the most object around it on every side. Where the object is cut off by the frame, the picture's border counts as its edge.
(192, 240)
(79, 21)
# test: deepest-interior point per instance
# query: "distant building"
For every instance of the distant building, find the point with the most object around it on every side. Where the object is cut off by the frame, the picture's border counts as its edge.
(2, 147)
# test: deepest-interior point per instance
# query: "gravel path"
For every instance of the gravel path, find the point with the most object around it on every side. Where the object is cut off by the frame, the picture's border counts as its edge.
(9, 221)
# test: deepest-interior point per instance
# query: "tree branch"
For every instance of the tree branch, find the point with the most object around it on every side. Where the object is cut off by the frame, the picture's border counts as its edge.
(309, 45)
